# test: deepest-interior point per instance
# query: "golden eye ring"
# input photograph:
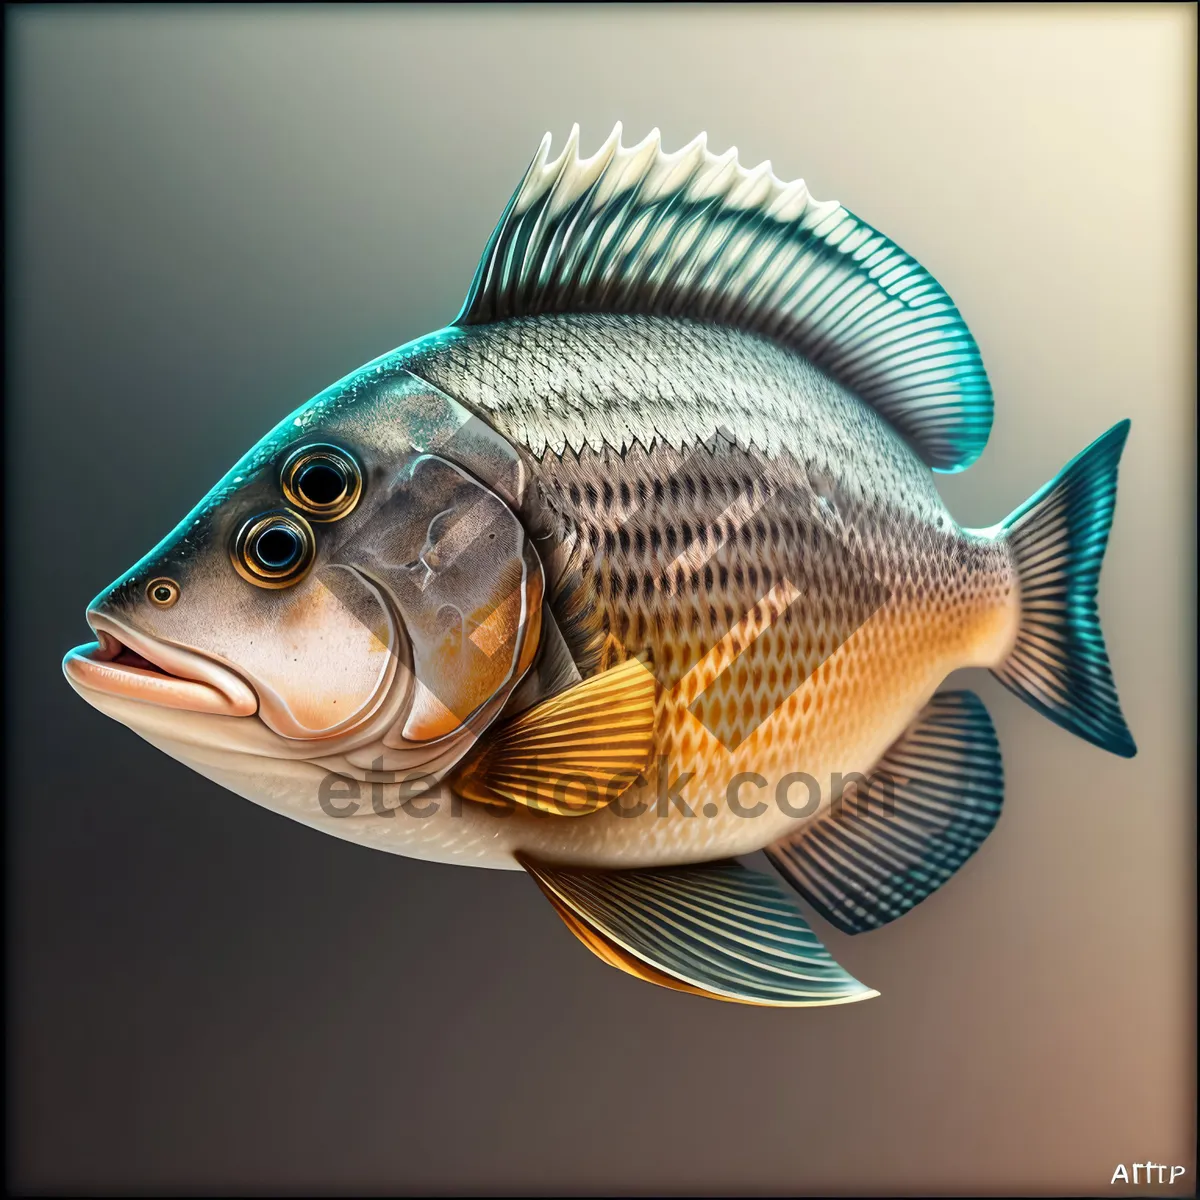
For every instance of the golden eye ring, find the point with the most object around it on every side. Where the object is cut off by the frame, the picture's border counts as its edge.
(322, 481)
(162, 593)
(274, 550)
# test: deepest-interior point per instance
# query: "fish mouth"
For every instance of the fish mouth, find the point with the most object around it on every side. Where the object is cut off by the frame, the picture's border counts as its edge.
(135, 666)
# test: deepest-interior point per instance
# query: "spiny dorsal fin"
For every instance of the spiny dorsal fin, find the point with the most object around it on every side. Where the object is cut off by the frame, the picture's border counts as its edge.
(929, 804)
(715, 929)
(571, 754)
(696, 235)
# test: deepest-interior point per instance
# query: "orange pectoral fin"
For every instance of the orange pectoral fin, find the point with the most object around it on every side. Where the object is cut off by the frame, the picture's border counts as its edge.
(571, 754)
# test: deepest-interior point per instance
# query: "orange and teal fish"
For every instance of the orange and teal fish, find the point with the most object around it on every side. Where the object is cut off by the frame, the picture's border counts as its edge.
(636, 567)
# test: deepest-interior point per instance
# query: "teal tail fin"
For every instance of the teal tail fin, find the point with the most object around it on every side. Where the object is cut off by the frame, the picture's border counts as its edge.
(1059, 663)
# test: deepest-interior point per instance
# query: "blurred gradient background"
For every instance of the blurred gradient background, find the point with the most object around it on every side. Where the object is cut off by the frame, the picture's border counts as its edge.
(214, 213)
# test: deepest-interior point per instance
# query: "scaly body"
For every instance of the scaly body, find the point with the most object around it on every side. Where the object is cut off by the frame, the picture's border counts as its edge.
(689, 557)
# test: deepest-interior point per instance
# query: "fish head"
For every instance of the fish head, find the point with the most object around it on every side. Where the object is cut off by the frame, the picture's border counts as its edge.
(357, 592)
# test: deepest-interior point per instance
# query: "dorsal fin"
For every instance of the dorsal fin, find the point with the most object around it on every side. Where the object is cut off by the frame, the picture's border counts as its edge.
(693, 234)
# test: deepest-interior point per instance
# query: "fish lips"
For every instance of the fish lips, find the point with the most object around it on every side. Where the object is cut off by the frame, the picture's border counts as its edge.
(135, 666)
(126, 664)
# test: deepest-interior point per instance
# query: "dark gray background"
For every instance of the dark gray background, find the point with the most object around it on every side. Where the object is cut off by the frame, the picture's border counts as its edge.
(213, 214)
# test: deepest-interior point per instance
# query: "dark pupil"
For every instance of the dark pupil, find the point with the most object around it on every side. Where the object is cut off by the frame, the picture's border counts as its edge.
(277, 548)
(162, 592)
(321, 483)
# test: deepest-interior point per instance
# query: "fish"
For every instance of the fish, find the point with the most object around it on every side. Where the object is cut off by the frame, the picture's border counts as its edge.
(637, 568)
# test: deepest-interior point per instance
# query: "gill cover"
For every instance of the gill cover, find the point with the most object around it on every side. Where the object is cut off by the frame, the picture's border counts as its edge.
(468, 585)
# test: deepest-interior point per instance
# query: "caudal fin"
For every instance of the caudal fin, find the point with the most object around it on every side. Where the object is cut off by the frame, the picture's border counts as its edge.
(1058, 536)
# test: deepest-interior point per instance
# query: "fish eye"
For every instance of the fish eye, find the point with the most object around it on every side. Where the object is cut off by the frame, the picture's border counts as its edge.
(323, 482)
(274, 550)
(162, 593)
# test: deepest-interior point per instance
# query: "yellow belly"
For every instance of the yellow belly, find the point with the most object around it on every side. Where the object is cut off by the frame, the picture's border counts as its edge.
(752, 745)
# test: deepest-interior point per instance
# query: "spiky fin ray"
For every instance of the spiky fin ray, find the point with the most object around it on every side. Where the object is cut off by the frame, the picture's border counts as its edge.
(693, 234)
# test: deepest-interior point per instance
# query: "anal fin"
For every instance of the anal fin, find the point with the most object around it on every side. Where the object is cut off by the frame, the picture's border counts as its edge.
(927, 807)
(715, 930)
